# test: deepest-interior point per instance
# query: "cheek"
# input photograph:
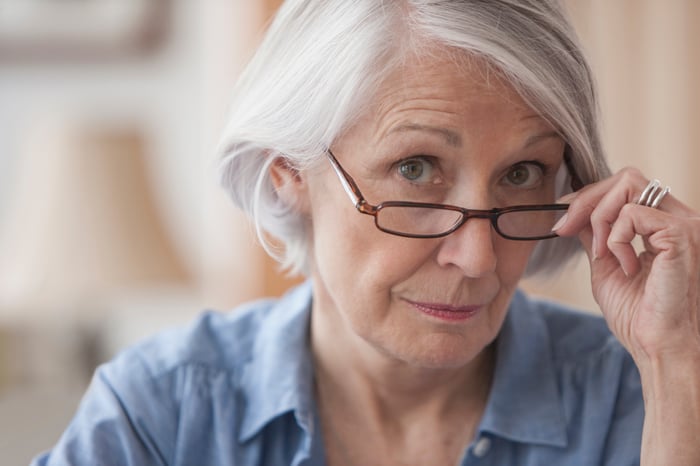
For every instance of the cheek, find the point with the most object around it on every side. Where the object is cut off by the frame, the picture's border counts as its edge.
(348, 248)
(350, 244)
(513, 257)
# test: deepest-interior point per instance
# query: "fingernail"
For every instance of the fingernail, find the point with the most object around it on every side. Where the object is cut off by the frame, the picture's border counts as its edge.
(560, 223)
(567, 198)
(594, 249)
(624, 270)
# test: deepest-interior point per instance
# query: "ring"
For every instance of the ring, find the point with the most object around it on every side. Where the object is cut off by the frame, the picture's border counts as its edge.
(653, 194)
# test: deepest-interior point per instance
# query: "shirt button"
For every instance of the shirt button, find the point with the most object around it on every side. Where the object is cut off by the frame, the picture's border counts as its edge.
(482, 447)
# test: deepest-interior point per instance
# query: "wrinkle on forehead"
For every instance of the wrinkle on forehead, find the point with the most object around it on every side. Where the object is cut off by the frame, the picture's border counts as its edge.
(432, 88)
(424, 82)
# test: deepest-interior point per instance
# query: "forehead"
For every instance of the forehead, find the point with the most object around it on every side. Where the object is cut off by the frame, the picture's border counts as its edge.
(465, 74)
(450, 90)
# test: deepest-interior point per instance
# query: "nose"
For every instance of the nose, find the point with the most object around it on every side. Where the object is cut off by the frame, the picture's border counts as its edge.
(470, 248)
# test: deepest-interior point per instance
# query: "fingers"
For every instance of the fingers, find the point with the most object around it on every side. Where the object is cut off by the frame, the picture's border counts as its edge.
(633, 220)
(649, 294)
(606, 218)
(600, 203)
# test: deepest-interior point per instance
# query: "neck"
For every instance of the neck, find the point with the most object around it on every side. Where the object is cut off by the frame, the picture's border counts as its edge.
(355, 374)
(378, 409)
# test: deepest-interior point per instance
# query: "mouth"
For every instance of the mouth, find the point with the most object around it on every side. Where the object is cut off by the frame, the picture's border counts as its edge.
(446, 311)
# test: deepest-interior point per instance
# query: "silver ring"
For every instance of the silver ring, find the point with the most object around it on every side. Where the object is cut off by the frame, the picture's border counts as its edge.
(653, 194)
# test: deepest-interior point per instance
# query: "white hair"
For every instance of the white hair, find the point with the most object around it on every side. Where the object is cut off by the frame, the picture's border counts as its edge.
(321, 61)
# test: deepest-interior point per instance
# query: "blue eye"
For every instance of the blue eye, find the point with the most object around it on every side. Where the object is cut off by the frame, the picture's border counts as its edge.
(525, 175)
(414, 169)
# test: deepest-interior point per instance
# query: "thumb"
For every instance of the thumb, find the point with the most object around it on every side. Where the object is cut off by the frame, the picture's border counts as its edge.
(586, 238)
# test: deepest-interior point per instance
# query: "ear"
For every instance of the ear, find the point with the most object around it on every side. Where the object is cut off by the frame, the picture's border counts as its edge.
(289, 184)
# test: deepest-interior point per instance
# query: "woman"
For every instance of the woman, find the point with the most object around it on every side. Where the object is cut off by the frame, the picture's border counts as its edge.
(410, 343)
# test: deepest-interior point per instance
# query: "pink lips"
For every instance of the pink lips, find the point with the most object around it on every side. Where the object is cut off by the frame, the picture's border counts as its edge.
(446, 312)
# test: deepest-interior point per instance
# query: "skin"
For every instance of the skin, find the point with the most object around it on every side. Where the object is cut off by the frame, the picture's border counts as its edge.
(377, 351)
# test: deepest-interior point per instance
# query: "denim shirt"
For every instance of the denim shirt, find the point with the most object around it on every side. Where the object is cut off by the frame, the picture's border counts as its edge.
(237, 389)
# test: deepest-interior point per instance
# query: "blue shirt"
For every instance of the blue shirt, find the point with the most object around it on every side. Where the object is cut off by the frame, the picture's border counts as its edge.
(237, 389)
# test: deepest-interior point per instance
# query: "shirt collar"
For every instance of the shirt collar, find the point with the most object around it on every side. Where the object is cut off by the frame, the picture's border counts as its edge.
(524, 404)
(278, 377)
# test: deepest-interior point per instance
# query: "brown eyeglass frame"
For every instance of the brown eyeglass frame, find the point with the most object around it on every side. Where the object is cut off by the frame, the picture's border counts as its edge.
(364, 207)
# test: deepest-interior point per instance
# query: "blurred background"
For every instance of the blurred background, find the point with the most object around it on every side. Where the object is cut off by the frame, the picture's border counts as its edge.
(112, 225)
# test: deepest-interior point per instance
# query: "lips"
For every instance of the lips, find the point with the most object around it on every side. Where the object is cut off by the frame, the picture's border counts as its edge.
(446, 311)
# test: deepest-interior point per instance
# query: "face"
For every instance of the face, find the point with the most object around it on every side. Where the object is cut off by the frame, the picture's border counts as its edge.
(438, 132)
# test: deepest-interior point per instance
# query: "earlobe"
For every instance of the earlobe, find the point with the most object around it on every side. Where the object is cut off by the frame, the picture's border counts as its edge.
(289, 184)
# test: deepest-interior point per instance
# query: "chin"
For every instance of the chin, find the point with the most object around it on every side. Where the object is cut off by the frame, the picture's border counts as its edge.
(442, 352)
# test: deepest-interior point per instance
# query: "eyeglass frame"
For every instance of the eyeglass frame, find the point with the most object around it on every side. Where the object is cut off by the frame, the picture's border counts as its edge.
(364, 207)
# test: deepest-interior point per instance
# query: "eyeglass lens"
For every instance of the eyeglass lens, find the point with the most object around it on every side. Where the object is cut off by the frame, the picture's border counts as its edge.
(424, 221)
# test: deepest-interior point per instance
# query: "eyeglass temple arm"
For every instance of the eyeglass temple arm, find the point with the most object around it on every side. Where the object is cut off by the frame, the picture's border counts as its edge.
(346, 180)
(576, 182)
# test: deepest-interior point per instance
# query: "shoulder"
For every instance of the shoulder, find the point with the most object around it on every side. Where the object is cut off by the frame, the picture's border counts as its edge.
(198, 364)
(177, 393)
(575, 336)
(593, 368)
(215, 340)
(586, 358)
(596, 386)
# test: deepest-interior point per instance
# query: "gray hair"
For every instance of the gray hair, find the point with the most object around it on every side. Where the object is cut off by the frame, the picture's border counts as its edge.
(321, 61)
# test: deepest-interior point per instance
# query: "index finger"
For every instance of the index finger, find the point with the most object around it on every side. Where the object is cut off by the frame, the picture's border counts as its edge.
(599, 204)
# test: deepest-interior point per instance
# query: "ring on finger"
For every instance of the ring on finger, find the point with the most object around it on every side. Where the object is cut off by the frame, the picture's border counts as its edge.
(653, 194)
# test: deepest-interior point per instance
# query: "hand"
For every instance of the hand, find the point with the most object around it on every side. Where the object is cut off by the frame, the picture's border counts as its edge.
(650, 299)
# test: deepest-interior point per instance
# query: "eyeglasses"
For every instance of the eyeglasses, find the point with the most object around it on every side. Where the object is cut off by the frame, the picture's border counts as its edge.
(427, 220)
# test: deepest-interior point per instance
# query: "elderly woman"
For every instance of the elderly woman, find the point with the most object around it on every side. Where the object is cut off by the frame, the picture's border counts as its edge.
(415, 159)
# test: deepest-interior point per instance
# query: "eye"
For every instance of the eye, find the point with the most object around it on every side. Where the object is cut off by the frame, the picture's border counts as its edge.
(525, 175)
(415, 169)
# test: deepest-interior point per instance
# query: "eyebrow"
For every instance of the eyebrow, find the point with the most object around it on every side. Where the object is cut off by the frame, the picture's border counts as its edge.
(451, 137)
(539, 137)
